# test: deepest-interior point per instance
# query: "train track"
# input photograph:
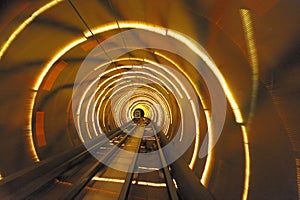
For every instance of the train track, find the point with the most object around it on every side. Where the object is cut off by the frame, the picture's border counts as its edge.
(82, 176)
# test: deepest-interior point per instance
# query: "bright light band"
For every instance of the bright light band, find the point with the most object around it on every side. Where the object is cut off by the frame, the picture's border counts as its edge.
(130, 24)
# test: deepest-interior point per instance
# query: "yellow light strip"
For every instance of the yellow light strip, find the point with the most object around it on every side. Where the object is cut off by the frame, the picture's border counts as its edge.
(112, 180)
(100, 29)
(37, 86)
(175, 183)
(185, 74)
(230, 97)
(215, 70)
(141, 84)
(23, 25)
(193, 161)
(60, 53)
(180, 95)
(249, 32)
(126, 24)
(151, 184)
(145, 26)
(147, 74)
(208, 165)
(197, 139)
(173, 76)
(148, 168)
(253, 58)
(91, 98)
(29, 128)
(298, 178)
(1, 177)
(78, 122)
(158, 65)
(99, 106)
(247, 163)
(88, 130)
(107, 87)
(144, 85)
(4, 48)
(119, 89)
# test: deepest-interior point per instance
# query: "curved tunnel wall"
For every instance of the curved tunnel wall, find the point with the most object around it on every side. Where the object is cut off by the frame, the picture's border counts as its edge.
(218, 31)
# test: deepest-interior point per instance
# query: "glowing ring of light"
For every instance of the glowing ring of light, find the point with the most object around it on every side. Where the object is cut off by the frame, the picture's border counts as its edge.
(140, 25)
(98, 52)
(108, 79)
(99, 106)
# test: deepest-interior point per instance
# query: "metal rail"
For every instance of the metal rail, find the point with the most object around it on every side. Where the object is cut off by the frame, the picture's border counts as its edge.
(128, 180)
(84, 180)
(34, 186)
(170, 184)
(33, 178)
(189, 186)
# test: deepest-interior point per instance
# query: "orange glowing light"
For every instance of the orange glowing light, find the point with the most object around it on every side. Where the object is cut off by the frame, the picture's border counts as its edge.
(57, 69)
(40, 133)
(89, 45)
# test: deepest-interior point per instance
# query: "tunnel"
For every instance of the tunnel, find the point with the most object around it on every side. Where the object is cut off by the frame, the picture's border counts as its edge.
(140, 99)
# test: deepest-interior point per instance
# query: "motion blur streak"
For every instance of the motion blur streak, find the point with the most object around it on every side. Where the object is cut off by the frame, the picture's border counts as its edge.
(23, 25)
(253, 58)
(29, 128)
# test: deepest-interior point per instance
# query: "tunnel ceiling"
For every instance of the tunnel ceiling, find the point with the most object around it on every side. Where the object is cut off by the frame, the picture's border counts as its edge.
(71, 70)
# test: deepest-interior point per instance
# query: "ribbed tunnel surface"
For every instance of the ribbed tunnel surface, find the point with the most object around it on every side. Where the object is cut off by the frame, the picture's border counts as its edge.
(149, 100)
